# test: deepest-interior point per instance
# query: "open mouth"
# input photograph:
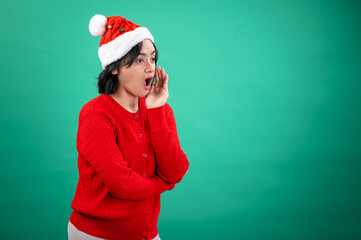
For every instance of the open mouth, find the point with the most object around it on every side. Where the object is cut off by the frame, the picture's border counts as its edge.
(147, 82)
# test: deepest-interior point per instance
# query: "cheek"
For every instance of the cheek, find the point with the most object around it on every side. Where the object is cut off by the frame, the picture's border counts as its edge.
(124, 77)
(132, 74)
(129, 79)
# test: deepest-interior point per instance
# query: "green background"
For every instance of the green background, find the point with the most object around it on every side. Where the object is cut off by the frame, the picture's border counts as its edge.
(266, 96)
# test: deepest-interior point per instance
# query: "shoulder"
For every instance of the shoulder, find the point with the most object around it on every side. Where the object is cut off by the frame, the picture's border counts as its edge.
(97, 106)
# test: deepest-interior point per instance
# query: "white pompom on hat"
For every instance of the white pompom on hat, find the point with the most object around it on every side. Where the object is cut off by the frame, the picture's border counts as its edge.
(97, 25)
(119, 36)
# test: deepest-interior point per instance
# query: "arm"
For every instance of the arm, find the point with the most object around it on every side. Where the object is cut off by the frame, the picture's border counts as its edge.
(172, 163)
(97, 143)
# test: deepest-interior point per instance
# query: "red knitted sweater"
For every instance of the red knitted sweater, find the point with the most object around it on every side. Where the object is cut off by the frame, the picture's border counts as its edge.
(125, 161)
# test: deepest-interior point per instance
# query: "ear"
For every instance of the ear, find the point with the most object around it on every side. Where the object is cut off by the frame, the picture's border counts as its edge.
(115, 72)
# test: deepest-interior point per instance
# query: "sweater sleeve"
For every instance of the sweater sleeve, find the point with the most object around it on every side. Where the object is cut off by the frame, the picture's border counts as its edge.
(172, 163)
(97, 143)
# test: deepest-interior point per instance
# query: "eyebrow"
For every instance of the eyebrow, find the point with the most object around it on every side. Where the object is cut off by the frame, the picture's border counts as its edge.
(146, 54)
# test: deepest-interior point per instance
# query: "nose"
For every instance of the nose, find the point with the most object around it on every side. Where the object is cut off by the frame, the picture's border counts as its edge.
(150, 67)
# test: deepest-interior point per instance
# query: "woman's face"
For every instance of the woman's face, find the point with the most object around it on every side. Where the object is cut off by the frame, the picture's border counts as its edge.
(137, 78)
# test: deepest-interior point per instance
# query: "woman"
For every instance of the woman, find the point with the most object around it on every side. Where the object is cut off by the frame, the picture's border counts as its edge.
(128, 148)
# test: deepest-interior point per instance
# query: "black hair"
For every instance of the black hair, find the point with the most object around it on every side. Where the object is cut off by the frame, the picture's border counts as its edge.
(108, 82)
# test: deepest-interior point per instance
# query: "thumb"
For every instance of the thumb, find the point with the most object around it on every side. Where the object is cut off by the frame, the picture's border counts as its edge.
(151, 88)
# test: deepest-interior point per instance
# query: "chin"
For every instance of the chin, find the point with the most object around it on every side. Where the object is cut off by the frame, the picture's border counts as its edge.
(141, 95)
(145, 94)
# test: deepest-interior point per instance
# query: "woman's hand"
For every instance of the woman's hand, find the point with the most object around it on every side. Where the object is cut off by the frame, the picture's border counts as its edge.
(158, 93)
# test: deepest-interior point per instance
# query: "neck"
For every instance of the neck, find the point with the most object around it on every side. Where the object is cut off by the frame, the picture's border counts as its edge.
(126, 100)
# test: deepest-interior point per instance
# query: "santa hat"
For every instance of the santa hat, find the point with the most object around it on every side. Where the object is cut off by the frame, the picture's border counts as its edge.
(119, 36)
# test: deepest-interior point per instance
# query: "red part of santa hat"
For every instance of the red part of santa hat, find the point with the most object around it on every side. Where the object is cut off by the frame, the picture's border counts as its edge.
(119, 36)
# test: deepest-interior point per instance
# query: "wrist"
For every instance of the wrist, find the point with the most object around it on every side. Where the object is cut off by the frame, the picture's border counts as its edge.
(157, 117)
(154, 106)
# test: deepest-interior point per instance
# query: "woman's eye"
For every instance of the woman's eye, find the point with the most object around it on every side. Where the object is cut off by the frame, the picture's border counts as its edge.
(139, 60)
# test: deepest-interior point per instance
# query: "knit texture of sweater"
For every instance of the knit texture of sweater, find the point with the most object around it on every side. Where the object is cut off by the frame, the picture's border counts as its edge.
(125, 161)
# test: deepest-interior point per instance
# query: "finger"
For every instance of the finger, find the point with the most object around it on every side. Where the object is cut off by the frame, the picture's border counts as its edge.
(159, 76)
(154, 85)
(163, 77)
(151, 91)
(157, 79)
(162, 72)
(156, 90)
(166, 82)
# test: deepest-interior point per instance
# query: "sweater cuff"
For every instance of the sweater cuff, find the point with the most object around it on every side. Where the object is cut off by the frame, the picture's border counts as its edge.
(157, 118)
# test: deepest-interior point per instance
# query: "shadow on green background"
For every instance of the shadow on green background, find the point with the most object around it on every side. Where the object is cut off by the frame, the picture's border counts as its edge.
(266, 95)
